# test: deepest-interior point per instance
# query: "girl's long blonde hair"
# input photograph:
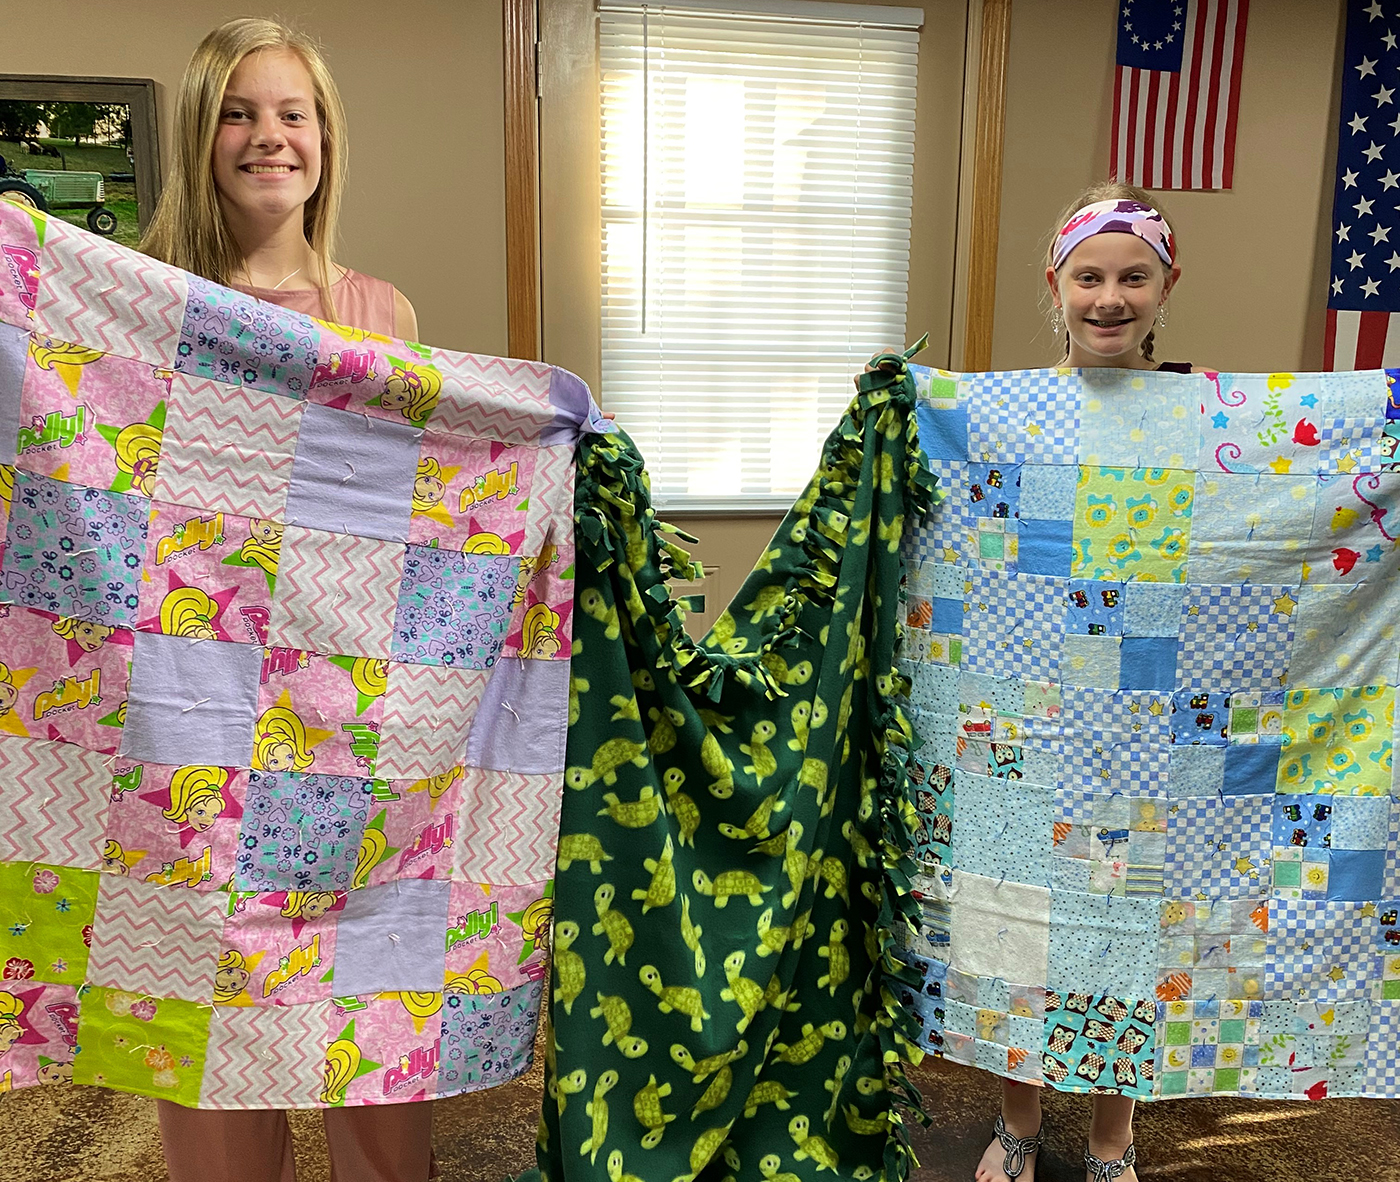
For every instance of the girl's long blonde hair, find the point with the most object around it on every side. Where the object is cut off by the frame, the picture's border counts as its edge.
(1104, 191)
(188, 229)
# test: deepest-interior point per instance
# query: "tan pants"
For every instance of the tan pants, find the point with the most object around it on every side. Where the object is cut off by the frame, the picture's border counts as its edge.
(367, 1143)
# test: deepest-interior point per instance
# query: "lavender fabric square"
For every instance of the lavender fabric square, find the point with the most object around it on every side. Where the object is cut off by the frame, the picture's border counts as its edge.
(14, 345)
(191, 703)
(511, 731)
(390, 938)
(300, 832)
(75, 551)
(454, 609)
(487, 1038)
(353, 474)
(230, 337)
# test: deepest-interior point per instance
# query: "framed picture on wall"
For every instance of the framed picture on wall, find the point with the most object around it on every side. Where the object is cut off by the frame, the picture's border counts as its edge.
(83, 149)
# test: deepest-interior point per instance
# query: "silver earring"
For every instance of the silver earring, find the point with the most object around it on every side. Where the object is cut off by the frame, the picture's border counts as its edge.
(1057, 320)
(1161, 315)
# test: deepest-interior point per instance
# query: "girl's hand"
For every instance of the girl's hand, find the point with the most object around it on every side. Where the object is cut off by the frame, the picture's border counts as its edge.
(870, 368)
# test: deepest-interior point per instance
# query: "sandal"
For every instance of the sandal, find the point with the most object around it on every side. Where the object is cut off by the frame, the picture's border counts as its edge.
(1106, 1171)
(1016, 1147)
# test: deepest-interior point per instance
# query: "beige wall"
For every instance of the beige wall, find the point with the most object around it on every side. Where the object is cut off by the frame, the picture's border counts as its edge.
(422, 84)
(1254, 259)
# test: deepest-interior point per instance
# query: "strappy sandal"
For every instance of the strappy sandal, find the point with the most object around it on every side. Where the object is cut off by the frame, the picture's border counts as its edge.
(1107, 1171)
(1016, 1147)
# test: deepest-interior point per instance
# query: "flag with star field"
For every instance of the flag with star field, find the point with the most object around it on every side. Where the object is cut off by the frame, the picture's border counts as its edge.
(1364, 289)
(1176, 92)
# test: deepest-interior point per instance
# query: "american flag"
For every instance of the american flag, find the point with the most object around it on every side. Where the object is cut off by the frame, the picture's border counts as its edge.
(1365, 282)
(1176, 92)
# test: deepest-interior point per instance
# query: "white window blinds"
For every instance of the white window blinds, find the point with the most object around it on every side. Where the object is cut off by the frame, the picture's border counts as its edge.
(757, 170)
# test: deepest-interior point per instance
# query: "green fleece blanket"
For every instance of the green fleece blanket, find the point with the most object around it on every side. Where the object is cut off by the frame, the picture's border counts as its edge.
(732, 869)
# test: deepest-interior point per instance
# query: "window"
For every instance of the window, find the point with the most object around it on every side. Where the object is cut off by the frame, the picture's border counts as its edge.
(757, 170)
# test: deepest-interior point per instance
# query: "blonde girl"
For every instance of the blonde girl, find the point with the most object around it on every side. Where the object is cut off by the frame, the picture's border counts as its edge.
(252, 200)
(308, 905)
(86, 634)
(9, 693)
(10, 1029)
(231, 977)
(428, 485)
(264, 544)
(540, 632)
(197, 797)
(1109, 268)
(188, 611)
(280, 742)
(138, 450)
(413, 391)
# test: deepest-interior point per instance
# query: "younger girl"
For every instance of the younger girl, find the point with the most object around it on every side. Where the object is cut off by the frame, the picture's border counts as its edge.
(1110, 267)
(252, 203)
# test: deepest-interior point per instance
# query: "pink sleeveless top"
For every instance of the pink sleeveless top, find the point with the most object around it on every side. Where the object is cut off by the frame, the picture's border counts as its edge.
(360, 302)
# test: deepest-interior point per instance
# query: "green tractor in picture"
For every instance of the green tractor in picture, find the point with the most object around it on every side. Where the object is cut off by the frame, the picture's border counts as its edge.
(46, 190)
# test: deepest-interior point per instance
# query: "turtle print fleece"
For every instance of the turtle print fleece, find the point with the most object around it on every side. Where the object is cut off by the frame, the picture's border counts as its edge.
(732, 874)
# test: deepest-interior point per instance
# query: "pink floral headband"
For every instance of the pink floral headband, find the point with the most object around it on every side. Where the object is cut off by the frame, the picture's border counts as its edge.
(1116, 217)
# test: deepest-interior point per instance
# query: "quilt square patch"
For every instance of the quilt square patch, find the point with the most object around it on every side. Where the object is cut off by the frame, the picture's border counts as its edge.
(1219, 847)
(50, 910)
(1132, 524)
(1277, 517)
(453, 608)
(227, 448)
(1209, 1048)
(232, 338)
(1004, 829)
(1102, 941)
(1318, 950)
(69, 306)
(319, 713)
(1000, 429)
(89, 417)
(1212, 949)
(428, 710)
(208, 575)
(353, 474)
(300, 832)
(475, 495)
(413, 912)
(237, 1076)
(1236, 636)
(1103, 1044)
(1337, 741)
(943, 429)
(1337, 642)
(74, 551)
(511, 731)
(1354, 522)
(175, 1032)
(335, 593)
(487, 1039)
(1129, 421)
(181, 963)
(191, 703)
(1014, 626)
(1018, 914)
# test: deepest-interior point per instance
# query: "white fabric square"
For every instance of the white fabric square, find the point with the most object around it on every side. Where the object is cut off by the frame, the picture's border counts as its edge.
(53, 802)
(227, 448)
(335, 593)
(161, 941)
(1340, 639)
(428, 710)
(1000, 929)
(93, 292)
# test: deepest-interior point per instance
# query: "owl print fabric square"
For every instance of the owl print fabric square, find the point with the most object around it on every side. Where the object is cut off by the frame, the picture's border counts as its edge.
(1176, 713)
(256, 572)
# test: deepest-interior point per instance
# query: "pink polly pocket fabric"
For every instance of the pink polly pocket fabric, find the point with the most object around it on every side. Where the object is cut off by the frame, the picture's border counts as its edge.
(284, 649)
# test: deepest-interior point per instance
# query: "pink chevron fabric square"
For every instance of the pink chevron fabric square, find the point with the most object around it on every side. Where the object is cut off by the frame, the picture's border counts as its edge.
(259, 573)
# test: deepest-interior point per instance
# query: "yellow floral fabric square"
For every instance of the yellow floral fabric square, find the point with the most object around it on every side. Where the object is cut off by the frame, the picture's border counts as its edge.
(1132, 524)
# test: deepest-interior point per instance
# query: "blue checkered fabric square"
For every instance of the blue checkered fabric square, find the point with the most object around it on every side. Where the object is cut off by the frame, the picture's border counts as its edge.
(943, 535)
(1382, 1063)
(1232, 636)
(1026, 415)
(1318, 950)
(1218, 846)
(1014, 626)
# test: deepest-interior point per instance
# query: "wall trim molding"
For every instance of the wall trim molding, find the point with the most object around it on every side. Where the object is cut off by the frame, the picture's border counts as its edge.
(522, 157)
(984, 216)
